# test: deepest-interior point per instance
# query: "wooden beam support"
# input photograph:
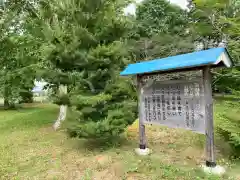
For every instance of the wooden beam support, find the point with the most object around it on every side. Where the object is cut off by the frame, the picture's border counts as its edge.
(210, 154)
(142, 134)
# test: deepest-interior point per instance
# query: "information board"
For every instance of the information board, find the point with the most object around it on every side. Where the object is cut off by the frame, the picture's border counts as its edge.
(173, 103)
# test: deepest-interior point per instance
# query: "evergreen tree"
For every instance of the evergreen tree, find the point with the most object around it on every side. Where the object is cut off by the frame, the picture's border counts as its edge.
(106, 102)
(83, 48)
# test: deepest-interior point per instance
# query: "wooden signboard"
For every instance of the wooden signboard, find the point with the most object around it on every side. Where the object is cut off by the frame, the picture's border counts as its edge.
(176, 92)
(179, 100)
(177, 103)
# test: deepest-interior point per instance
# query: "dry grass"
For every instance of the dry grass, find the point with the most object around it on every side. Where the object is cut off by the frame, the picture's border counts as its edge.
(30, 149)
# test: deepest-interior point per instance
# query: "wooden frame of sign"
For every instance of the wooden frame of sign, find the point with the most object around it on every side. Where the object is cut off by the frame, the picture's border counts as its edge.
(181, 99)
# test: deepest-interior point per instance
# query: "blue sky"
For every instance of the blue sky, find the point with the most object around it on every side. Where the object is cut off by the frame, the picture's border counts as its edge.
(131, 8)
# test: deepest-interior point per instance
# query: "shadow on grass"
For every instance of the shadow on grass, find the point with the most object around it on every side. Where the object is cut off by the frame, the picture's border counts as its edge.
(102, 144)
(22, 107)
(219, 97)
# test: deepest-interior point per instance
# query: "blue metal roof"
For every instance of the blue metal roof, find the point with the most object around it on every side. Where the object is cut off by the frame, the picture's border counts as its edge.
(183, 61)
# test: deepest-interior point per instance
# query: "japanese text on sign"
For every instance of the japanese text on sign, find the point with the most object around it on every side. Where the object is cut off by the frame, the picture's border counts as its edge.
(174, 103)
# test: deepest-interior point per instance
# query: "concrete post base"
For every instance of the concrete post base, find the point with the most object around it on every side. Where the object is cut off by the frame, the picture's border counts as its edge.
(218, 170)
(143, 152)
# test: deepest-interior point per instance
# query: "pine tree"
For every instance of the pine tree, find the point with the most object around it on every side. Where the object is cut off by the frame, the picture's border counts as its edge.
(108, 106)
(105, 102)
(84, 49)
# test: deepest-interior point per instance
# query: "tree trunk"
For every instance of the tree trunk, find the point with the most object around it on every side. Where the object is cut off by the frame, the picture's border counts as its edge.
(26, 97)
(6, 103)
(63, 109)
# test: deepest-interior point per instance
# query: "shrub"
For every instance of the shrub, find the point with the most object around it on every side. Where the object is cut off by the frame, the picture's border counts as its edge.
(106, 114)
(26, 97)
(228, 125)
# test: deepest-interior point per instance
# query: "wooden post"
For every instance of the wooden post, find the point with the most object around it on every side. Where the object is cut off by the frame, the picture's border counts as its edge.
(142, 135)
(210, 154)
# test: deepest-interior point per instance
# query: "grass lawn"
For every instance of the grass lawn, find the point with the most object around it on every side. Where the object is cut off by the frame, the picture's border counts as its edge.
(30, 149)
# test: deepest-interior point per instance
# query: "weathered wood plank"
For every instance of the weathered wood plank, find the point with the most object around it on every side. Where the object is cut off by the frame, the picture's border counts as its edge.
(142, 135)
(210, 154)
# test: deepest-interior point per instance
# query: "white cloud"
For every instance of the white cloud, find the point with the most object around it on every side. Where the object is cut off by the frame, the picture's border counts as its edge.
(132, 7)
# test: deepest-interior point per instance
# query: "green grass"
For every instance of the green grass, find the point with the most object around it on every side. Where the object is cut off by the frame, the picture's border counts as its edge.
(227, 119)
(30, 149)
